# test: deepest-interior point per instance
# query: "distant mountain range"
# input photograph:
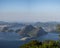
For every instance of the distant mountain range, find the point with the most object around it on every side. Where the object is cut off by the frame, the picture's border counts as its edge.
(47, 26)
(30, 31)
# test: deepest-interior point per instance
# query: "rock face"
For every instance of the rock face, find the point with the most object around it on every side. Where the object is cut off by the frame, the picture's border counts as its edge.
(30, 31)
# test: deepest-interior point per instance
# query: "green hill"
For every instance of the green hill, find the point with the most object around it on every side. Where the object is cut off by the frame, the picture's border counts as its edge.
(45, 44)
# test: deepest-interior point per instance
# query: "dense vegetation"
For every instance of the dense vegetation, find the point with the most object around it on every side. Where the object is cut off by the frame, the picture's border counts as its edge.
(45, 44)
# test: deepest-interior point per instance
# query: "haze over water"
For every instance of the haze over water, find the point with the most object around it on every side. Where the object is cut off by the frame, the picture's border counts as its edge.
(29, 10)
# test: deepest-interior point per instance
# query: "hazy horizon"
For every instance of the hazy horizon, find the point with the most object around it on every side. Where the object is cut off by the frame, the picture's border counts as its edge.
(30, 10)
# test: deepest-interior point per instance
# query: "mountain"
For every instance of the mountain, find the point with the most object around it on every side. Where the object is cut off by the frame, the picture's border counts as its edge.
(29, 27)
(57, 30)
(26, 30)
(31, 31)
(37, 32)
(3, 23)
(48, 26)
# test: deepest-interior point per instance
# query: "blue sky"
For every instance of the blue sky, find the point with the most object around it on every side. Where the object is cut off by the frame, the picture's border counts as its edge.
(29, 10)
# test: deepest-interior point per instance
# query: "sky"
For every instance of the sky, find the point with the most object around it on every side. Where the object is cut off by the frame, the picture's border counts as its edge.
(30, 10)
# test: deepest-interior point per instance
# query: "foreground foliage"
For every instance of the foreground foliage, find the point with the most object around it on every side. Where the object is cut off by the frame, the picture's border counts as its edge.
(45, 44)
